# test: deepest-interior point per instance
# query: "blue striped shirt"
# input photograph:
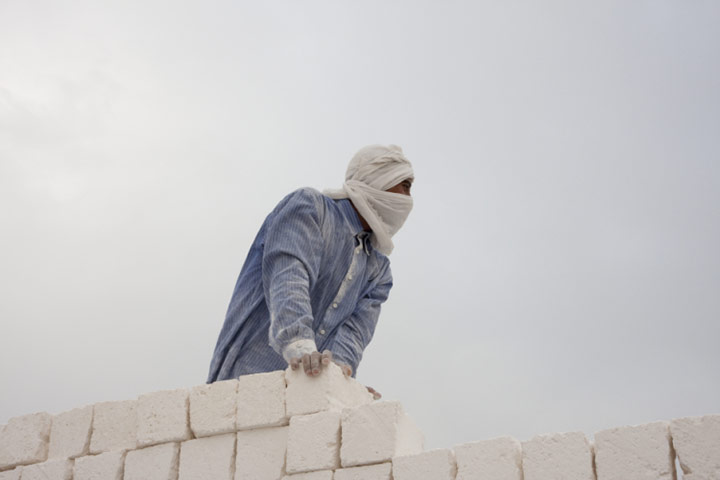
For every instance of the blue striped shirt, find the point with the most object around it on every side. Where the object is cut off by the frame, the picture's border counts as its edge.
(311, 274)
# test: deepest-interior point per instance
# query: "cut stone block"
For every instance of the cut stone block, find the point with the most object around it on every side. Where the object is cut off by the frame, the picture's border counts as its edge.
(382, 471)
(106, 466)
(114, 426)
(70, 433)
(261, 400)
(11, 474)
(499, 459)
(57, 469)
(376, 433)
(697, 445)
(560, 456)
(261, 454)
(162, 417)
(324, 475)
(153, 463)
(432, 465)
(24, 440)
(209, 457)
(314, 442)
(212, 408)
(331, 390)
(640, 452)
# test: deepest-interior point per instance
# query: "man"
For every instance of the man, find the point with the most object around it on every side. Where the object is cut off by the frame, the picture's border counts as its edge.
(317, 273)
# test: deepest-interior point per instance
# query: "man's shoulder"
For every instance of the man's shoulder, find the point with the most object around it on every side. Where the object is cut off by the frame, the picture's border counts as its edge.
(308, 193)
(309, 198)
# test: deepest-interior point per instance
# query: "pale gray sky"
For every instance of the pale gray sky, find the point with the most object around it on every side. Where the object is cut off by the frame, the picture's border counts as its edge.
(560, 270)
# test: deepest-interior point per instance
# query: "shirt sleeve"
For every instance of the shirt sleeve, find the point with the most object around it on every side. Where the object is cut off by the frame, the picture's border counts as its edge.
(291, 260)
(356, 332)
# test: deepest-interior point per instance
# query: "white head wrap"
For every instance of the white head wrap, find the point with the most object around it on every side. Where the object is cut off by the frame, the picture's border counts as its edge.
(371, 171)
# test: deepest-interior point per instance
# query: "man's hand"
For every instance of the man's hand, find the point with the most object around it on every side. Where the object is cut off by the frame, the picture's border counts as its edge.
(346, 369)
(376, 395)
(312, 362)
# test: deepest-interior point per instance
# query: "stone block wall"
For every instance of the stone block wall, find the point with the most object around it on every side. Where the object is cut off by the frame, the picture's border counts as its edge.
(287, 426)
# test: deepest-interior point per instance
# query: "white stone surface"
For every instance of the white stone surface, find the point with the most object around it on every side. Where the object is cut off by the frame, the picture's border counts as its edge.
(559, 456)
(24, 440)
(431, 465)
(70, 433)
(212, 408)
(159, 462)
(106, 466)
(313, 442)
(331, 390)
(162, 417)
(639, 452)
(382, 471)
(697, 445)
(497, 459)
(376, 433)
(260, 454)
(323, 475)
(261, 400)
(114, 426)
(208, 458)
(13, 474)
(56, 469)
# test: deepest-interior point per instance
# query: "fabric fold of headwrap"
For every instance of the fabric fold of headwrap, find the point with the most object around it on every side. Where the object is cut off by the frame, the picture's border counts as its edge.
(371, 171)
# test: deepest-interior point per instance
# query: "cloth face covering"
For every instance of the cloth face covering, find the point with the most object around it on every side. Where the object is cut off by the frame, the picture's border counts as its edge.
(371, 171)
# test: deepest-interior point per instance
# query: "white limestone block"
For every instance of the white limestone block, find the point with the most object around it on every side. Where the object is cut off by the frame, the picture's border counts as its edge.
(323, 475)
(559, 456)
(13, 474)
(261, 454)
(208, 458)
(70, 433)
(697, 445)
(162, 417)
(314, 442)
(56, 469)
(114, 426)
(159, 462)
(376, 433)
(431, 465)
(106, 466)
(261, 400)
(499, 459)
(25, 440)
(382, 471)
(640, 452)
(331, 390)
(212, 408)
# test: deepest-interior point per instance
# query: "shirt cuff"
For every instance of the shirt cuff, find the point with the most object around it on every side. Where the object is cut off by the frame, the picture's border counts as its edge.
(298, 348)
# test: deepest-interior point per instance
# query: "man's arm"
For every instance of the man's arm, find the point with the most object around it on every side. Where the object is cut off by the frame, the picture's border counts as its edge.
(357, 331)
(290, 265)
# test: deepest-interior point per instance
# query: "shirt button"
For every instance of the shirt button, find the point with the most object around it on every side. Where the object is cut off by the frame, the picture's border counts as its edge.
(322, 332)
(349, 277)
(334, 305)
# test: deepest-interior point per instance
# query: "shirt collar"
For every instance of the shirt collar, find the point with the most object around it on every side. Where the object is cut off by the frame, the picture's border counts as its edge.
(351, 216)
(353, 222)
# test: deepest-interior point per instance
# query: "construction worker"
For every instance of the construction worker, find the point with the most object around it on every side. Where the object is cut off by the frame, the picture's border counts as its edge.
(317, 273)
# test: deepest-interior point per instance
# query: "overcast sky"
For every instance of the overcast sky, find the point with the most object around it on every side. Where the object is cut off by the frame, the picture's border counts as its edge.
(560, 270)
